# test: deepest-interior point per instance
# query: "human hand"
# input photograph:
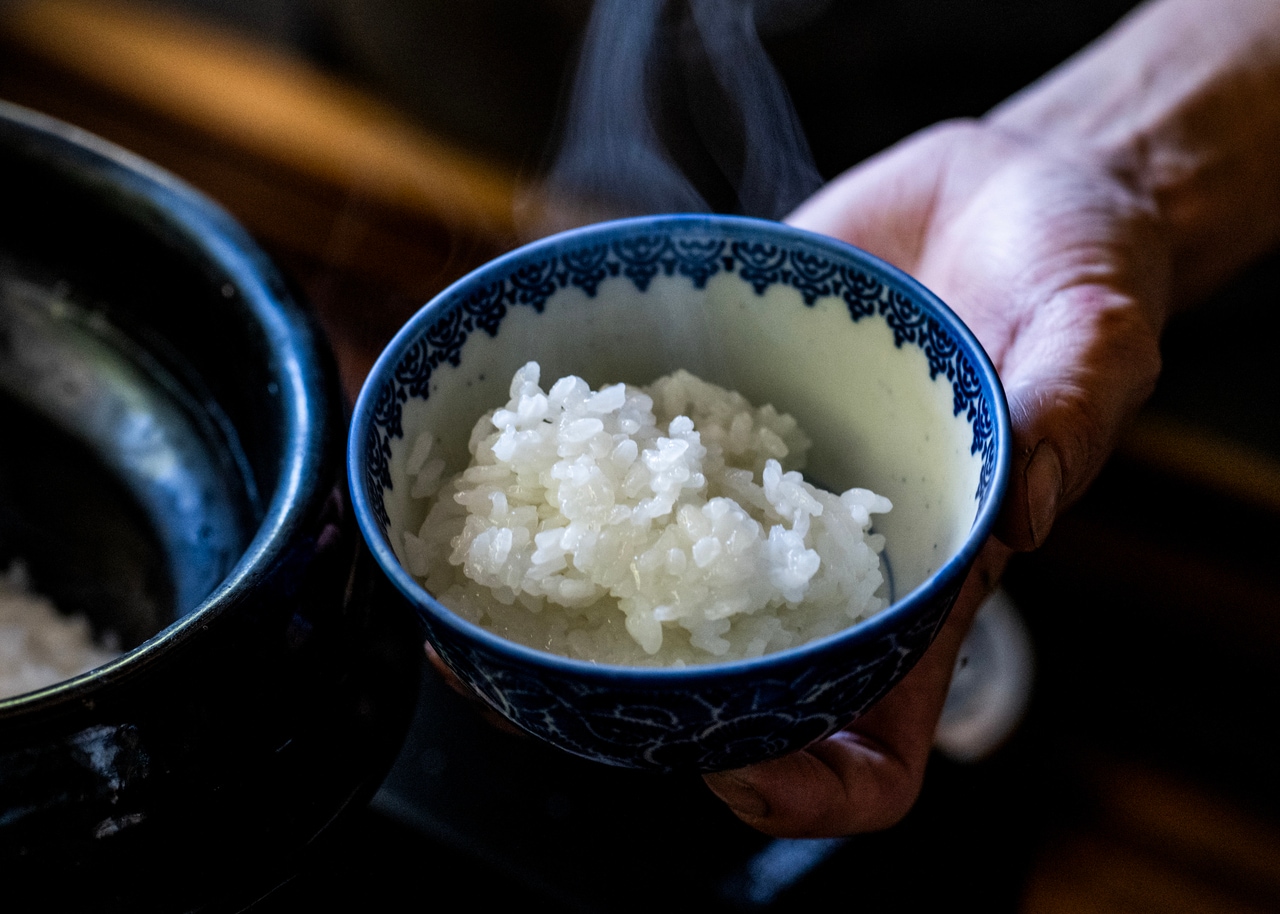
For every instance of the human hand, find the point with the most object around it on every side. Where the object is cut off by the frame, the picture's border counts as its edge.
(1059, 268)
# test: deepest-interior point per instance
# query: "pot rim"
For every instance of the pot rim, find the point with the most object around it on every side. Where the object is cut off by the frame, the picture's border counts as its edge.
(299, 367)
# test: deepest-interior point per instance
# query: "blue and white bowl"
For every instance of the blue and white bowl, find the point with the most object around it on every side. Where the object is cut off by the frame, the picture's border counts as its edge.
(896, 393)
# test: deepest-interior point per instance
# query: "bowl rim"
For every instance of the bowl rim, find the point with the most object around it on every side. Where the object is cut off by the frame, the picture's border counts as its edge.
(216, 242)
(947, 577)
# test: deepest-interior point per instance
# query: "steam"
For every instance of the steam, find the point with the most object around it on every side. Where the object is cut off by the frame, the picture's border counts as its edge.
(668, 87)
(778, 171)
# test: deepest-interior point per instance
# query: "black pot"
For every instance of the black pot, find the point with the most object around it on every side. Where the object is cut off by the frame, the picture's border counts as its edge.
(171, 466)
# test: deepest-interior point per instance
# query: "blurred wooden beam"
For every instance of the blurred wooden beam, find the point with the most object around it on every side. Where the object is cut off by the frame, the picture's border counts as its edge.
(1206, 458)
(275, 107)
(368, 210)
(311, 165)
(1157, 843)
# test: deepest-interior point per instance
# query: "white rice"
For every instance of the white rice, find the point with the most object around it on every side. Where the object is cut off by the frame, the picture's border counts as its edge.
(39, 645)
(657, 526)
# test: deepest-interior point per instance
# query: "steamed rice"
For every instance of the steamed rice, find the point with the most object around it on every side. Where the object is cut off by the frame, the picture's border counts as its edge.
(665, 525)
(39, 645)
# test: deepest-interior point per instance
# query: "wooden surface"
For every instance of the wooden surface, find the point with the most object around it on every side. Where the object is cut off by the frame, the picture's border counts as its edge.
(1142, 779)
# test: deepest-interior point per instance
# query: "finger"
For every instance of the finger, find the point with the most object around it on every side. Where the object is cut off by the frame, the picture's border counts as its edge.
(867, 776)
(494, 719)
(1062, 273)
(1074, 381)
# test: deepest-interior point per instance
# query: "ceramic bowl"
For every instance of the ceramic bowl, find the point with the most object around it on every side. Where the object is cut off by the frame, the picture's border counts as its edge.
(172, 469)
(894, 390)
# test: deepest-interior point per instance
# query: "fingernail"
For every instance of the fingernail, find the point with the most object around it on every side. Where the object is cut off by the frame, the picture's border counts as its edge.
(1044, 489)
(740, 796)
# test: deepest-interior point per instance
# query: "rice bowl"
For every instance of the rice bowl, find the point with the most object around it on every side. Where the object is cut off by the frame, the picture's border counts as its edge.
(894, 392)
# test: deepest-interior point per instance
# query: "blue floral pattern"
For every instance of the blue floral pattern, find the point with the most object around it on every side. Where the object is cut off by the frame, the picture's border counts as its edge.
(718, 727)
(642, 257)
(685, 720)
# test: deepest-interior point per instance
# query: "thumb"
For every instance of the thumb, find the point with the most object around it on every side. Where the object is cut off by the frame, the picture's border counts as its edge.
(865, 777)
(1074, 379)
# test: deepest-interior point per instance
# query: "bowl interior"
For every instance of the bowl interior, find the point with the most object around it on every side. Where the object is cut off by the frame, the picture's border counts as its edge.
(141, 386)
(121, 494)
(877, 372)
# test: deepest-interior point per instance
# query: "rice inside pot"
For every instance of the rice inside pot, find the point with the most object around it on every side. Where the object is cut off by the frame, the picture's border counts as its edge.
(39, 645)
(664, 525)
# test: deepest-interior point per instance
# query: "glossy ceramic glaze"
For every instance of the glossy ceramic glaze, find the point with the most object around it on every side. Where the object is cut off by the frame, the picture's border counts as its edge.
(896, 393)
(172, 467)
